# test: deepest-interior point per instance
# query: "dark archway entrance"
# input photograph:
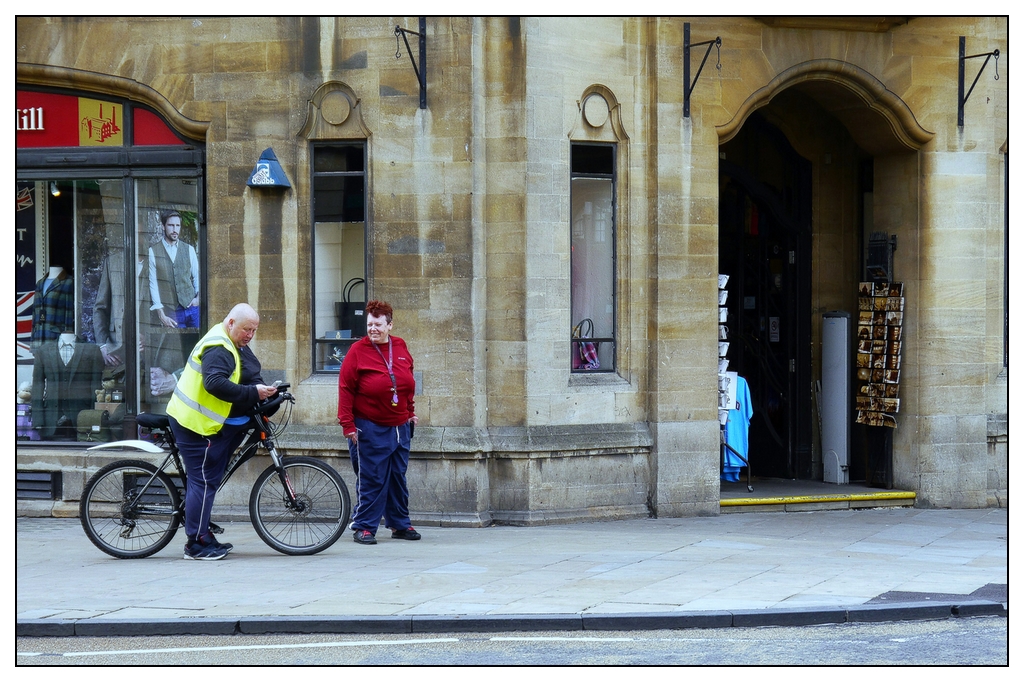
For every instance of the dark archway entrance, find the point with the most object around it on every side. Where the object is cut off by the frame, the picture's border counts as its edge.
(765, 248)
(818, 158)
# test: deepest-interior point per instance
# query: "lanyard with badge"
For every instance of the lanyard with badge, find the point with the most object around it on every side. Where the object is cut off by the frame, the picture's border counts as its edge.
(389, 363)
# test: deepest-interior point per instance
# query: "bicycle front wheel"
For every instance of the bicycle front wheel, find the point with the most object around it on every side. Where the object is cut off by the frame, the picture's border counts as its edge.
(317, 517)
(130, 509)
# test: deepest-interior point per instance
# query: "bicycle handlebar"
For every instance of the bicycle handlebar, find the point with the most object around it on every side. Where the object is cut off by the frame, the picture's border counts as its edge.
(273, 401)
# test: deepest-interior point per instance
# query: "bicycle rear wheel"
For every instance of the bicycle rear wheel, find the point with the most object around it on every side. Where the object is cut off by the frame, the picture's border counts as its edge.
(124, 516)
(317, 518)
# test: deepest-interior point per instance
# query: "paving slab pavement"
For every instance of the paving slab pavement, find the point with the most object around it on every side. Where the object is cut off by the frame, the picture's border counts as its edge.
(729, 570)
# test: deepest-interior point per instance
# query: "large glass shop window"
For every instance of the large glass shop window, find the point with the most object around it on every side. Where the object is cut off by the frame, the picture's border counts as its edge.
(75, 331)
(167, 280)
(107, 264)
(70, 292)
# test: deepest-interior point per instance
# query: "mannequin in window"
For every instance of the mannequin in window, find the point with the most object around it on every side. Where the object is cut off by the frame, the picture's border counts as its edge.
(65, 377)
(174, 276)
(108, 310)
(66, 347)
(162, 357)
(53, 308)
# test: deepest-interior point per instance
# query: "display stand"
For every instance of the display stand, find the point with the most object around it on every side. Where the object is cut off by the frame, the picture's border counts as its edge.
(879, 346)
(726, 381)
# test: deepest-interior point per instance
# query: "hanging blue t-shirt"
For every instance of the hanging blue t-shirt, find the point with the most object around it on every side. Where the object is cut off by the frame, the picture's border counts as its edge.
(736, 429)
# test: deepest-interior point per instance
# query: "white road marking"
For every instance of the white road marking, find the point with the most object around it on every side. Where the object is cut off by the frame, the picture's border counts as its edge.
(252, 647)
(562, 639)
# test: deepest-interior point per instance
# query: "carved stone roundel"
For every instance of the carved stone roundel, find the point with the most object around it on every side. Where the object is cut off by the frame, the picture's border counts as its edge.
(335, 107)
(595, 110)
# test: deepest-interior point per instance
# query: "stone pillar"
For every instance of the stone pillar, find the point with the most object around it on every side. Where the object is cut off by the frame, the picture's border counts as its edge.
(684, 322)
(949, 363)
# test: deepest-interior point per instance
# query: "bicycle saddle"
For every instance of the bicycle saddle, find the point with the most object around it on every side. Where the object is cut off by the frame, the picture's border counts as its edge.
(153, 421)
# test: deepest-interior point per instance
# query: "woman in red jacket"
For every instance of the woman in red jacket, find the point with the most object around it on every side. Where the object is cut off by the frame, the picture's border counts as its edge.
(377, 413)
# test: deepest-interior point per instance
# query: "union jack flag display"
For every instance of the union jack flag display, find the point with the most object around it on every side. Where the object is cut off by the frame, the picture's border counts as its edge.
(25, 266)
(24, 324)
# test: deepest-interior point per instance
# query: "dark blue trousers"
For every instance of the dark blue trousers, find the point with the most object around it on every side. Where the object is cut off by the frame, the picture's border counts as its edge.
(187, 317)
(380, 460)
(204, 458)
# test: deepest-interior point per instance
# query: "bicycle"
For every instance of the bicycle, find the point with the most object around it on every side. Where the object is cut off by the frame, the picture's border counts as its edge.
(131, 509)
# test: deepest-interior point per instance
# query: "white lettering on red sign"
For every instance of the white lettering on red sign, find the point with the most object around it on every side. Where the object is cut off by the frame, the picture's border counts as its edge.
(29, 119)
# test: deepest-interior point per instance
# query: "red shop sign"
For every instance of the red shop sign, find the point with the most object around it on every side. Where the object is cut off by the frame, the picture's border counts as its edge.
(51, 120)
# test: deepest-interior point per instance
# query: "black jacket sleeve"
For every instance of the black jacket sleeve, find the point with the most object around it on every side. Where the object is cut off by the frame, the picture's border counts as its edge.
(219, 365)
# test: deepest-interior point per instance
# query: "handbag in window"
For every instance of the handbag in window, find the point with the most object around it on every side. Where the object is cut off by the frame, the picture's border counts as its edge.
(349, 312)
(584, 353)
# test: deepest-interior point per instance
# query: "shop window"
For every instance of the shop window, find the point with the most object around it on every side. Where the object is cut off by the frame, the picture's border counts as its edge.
(74, 322)
(168, 285)
(94, 177)
(70, 310)
(592, 243)
(339, 251)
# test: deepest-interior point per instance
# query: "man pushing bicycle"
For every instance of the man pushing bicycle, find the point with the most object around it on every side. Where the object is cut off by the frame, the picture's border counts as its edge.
(209, 415)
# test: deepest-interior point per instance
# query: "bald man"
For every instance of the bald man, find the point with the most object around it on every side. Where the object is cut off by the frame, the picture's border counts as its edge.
(209, 413)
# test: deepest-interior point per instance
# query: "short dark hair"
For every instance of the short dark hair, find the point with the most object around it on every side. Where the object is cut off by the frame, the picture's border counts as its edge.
(378, 308)
(167, 215)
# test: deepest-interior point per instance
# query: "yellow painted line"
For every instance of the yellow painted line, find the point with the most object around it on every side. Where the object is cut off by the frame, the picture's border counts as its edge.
(803, 499)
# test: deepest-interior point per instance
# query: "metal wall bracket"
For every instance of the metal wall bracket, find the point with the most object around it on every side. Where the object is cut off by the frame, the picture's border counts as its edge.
(879, 265)
(421, 70)
(961, 97)
(687, 85)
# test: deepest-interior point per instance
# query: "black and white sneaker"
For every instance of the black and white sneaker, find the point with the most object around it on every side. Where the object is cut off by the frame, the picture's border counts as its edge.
(210, 539)
(200, 552)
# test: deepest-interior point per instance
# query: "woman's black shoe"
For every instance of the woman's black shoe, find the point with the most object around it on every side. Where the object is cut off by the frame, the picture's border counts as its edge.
(407, 534)
(364, 537)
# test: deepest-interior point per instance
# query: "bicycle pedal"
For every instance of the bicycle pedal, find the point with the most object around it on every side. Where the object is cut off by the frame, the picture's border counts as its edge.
(215, 529)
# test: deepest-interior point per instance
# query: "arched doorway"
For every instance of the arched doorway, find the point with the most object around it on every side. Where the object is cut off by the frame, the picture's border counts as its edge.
(797, 197)
(765, 247)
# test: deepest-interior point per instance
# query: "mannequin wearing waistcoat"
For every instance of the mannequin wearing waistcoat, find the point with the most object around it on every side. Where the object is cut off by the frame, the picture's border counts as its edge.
(65, 377)
(162, 354)
(174, 276)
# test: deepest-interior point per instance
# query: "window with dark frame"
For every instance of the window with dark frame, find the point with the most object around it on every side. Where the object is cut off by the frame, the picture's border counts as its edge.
(592, 257)
(91, 189)
(339, 251)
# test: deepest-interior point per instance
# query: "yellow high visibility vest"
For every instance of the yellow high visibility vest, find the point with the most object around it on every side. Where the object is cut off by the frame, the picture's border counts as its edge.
(191, 405)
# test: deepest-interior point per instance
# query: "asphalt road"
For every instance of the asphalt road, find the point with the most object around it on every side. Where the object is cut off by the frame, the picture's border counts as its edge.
(954, 641)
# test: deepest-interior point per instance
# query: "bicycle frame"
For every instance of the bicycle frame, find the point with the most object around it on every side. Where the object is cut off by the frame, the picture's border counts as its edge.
(258, 434)
(298, 505)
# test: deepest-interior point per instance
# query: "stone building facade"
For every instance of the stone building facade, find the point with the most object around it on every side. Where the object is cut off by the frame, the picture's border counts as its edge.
(805, 137)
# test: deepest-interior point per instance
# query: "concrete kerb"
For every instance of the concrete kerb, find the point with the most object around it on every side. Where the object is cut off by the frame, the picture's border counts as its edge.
(340, 625)
(424, 624)
(670, 620)
(498, 623)
(755, 618)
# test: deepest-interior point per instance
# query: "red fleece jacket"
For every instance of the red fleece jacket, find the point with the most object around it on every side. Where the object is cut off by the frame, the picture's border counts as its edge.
(364, 386)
